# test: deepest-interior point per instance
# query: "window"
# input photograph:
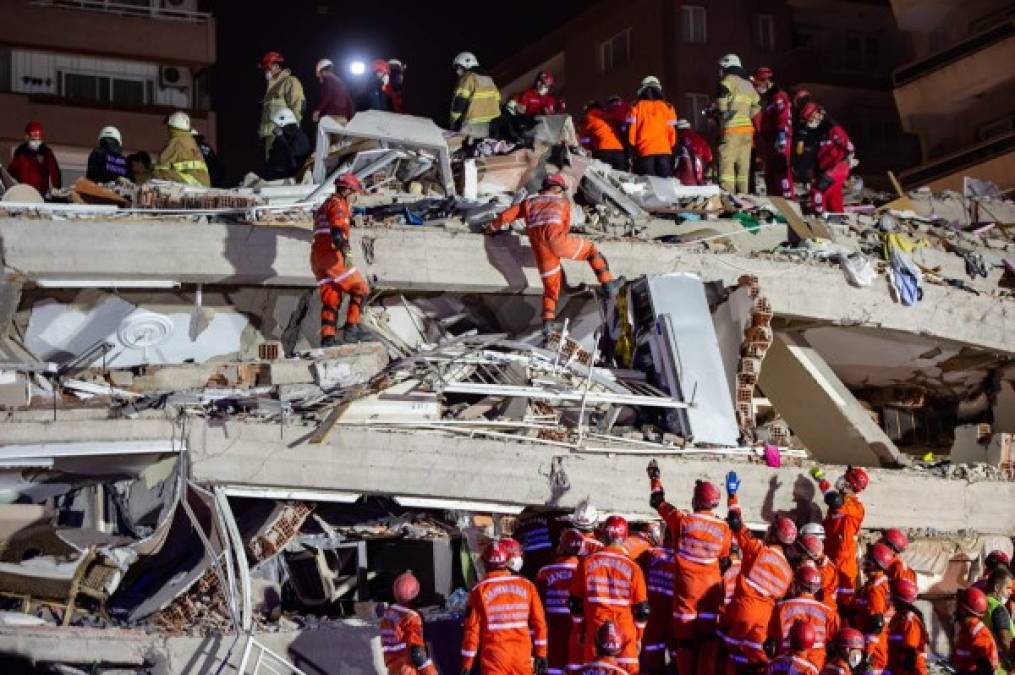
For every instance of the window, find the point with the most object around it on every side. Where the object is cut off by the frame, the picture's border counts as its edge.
(861, 52)
(694, 106)
(615, 53)
(106, 89)
(764, 32)
(693, 24)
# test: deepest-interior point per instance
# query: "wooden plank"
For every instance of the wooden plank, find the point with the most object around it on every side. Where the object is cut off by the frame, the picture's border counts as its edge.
(805, 229)
(323, 431)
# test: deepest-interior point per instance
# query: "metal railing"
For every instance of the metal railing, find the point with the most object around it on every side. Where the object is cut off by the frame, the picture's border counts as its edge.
(152, 10)
(958, 161)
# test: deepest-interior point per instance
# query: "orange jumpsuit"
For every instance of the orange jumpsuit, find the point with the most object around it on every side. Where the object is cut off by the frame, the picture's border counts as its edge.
(872, 599)
(973, 644)
(700, 539)
(401, 630)
(554, 584)
(907, 636)
(841, 528)
(836, 666)
(548, 224)
(900, 570)
(729, 579)
(829, 582)
(659, 567)
(764, 580)
(609, 584)
(603, 665)
(791, 664)
(652, 127)
(504, 625)
(804, 607)
(600, 131)
(328, 261)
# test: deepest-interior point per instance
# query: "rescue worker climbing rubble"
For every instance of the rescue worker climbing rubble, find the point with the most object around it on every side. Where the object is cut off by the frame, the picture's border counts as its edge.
(737, 103)
(842, 525)
(402, 632)
(505, 627)
(331, 262)
(701, 543)
(833, 161)
(774, 138)
(547, 217)
(537, 99)
(610, 587)
(554, 584)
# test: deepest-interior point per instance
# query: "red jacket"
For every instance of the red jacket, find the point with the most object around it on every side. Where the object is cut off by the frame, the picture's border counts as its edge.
(833, 148)
(535, 103)
(776, 116)
(335, 98)
(37, 168)
(696, 143)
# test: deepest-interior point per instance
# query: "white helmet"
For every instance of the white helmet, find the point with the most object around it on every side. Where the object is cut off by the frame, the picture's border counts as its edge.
(730, 61)
(395, 63)
(466, 60)
(649, 81)
(111, 132)
(179, 120)
(813, 528)
(683, 124)
(585, 516)
(283, 118)
(322, 64)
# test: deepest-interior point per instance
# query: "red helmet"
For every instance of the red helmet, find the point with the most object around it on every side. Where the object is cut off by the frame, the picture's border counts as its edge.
(406, 588)
(802, 636)
(809, 109)
(784, 530)
(653, 533)
(555, 180)
(973, 601)
(382, 66)
(271, 58)
(855, 476)
(812, 546)
(615, 529)
(881, 555)
(512, 546)
(706, 495)
(905, 590)
(545, 77)
(349, 181)
(34, 130)
(571, 542)
(849, 638)
(495, 556)
(996, 559)
(608, 641)
(895, 538)
(762, 74)
(808, 578)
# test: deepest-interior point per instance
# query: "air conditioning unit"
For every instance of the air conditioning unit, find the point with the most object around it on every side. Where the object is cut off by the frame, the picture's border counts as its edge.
(175, 77)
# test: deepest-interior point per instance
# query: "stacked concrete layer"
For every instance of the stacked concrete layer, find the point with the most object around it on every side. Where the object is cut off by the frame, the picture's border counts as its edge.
(428, 259)
(450, 467)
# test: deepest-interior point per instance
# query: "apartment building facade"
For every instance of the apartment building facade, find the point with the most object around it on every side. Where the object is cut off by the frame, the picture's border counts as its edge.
(79, 65)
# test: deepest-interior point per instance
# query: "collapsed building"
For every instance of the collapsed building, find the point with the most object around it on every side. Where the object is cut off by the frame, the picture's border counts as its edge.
(189, 483)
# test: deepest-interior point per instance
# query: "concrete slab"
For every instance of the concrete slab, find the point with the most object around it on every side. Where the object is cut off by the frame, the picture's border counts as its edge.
(819, 408)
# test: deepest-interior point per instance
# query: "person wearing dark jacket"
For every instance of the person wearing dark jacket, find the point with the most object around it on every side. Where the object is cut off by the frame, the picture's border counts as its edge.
(216, 169)
(290, 150)
(106, 163)
(34, 163)
(376, 96)
(335, 99)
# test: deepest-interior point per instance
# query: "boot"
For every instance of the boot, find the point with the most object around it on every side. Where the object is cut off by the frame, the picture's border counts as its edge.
(547, 329)
(612, 288)
(353, 333)
(328, 341)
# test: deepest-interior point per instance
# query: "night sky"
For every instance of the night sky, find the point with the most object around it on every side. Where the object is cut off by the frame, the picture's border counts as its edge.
(425, 35)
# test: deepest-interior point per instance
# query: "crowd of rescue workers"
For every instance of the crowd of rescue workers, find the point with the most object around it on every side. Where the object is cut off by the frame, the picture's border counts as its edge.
(697, 594)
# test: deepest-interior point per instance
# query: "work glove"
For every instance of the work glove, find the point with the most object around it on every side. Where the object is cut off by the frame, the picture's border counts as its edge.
(734, 520)
(656, 498)
(770, 647)
(780, 142)
(653, 470)
(540, 666)
(732, 483)
(824, 182)
(725, 563)
(817, 473)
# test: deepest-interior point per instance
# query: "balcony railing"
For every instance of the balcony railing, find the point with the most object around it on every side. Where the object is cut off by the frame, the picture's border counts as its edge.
(946, 166)
(805, 64)
(151, 10)
(976, 43)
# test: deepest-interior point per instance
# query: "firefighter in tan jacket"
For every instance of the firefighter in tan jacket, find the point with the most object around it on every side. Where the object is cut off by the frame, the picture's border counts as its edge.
(476, 101)
(284, 91)
(181, 160)
(737, 104)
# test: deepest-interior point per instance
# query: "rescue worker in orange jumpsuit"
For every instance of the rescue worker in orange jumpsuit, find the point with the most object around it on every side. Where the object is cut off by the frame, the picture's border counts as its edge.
(873, 605)
(659, 567)
(732, 573)
(609, 586)
(774, 135)
(803, 606)
(515, 554)
(554, 584)
(802, 640)
(845, 653)
(814, 551)
(833, 162)
(537, 100)
(331, 262)
(693, 154)
(897, 540)
(701, 544)
(652, 130)
(974, 652)
(764, 580)
(608, 645)
(907, 632)
(547, 218)
(600, 135)
(842, 524)
(402, 632)
(504, 623)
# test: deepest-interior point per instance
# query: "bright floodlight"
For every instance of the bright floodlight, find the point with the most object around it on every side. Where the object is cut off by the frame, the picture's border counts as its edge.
(357, 67)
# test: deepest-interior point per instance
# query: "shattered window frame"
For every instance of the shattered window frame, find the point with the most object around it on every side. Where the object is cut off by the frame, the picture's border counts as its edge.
(690, 17)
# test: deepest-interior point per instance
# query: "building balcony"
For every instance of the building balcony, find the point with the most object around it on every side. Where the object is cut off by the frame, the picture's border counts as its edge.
(99, 28)
(992, 160)
(804, 65)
